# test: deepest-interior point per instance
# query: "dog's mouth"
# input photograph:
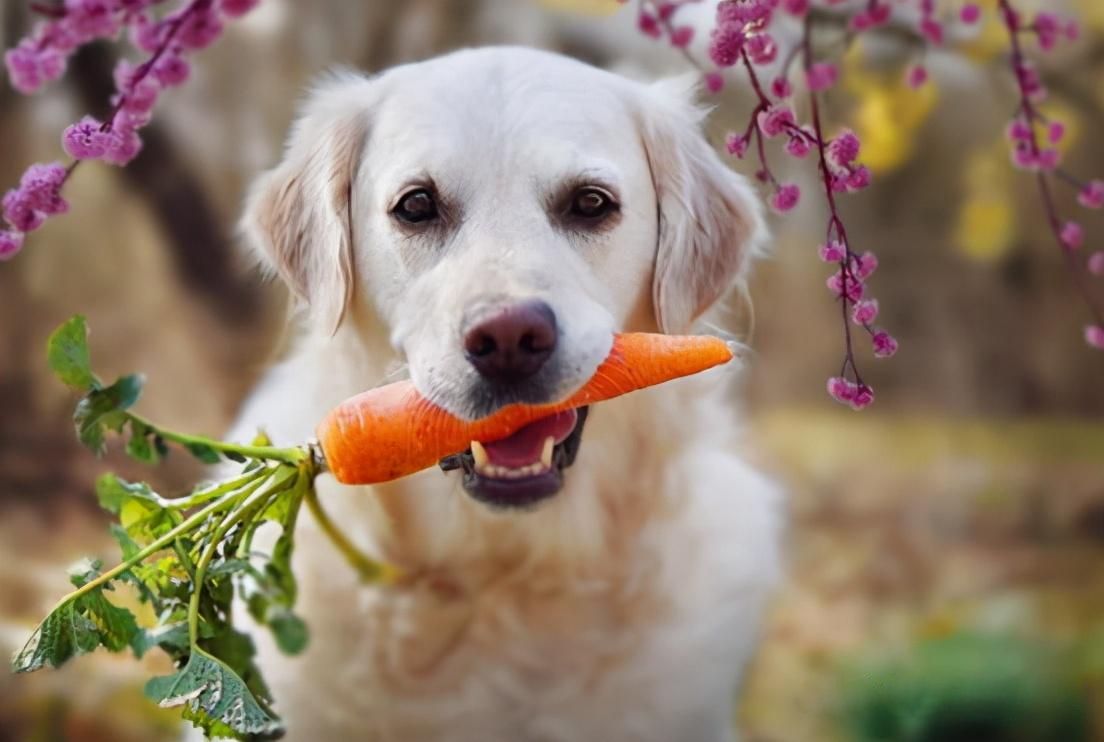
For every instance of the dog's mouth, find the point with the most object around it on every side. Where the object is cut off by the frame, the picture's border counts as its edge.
(522, 469)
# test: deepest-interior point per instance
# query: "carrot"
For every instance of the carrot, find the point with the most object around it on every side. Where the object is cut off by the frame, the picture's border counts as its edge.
(391, 431)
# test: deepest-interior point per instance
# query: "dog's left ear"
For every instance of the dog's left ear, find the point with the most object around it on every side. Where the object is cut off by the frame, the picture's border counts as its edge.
(710, 218)
(297, 216)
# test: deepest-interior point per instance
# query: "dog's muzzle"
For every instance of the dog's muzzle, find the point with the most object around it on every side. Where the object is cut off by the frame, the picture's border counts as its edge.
(525, 468)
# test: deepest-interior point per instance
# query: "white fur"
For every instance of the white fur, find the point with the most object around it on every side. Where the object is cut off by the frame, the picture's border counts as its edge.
(625, 607)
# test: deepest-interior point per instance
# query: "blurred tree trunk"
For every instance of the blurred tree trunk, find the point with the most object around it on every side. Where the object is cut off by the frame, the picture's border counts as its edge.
(202, 252)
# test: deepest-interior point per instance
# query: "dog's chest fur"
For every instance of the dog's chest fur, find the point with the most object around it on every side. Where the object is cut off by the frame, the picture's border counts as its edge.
(622, 609)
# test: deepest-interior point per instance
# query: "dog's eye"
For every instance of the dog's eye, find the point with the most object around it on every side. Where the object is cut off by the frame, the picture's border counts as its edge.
(592, 203)
(415, 207)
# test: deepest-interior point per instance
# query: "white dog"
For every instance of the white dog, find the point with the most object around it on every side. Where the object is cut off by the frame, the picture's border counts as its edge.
(489, 219)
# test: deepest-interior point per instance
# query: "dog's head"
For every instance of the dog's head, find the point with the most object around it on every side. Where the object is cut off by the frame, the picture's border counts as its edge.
(503, 212)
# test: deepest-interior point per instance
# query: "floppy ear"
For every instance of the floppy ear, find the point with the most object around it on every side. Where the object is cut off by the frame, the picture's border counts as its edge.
(297, 216)
(710, 218)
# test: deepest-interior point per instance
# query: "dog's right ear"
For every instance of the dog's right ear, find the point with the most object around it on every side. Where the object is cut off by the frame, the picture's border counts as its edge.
(297, 216)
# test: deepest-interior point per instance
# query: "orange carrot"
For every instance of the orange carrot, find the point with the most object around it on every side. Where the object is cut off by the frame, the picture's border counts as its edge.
(391, 431)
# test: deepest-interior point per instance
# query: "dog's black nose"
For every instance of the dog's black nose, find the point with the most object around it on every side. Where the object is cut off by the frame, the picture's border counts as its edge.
(510, 343)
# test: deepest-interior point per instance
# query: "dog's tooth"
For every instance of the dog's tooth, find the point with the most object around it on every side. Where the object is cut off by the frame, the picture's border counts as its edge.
(546, 452)
(479, 454)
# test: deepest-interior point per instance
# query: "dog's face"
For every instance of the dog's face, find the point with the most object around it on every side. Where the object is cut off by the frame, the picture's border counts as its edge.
(504, 212)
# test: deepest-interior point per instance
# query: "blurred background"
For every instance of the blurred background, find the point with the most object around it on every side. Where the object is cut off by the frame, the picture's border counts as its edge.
(947, 546)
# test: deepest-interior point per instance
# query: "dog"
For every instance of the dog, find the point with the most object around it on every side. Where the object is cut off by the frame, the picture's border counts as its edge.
(483, 222)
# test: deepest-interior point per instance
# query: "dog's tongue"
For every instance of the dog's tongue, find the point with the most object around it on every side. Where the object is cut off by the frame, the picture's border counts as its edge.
(524, 447)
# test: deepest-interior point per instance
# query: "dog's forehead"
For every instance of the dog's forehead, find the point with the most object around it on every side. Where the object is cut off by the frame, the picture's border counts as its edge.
(479, 109)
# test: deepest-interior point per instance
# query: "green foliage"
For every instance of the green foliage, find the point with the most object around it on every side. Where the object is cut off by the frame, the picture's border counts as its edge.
(966, 688)
(187, 557)
(67, 354)
(103, 410)
(215, 698)
(78, 626)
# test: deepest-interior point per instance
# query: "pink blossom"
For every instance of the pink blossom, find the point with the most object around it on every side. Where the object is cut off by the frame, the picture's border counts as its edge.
(843, 150)
(856, 396)
(885, 345)
(736, 144)
(916, 76)
(714, 82)
(1072, 30)
(667, 10)
(649, 24)
(91, 19)
(855, 288)
(970, 13)
(1072, 235)
(761, 48)
(858, 178)
(744, 11)
(1030, 82)
(1055, 131)
(786, 197)
(200, 29)
(37, 197)
(821, 76)
(148, 35)
(932, 30)
(726, 44)
(18, 212)
(41, 186)
(1019, 130)
(781, 88)
(237, 8)
(1024, 157)
(1048, 28)
(1094, 336)
(774, 120)
(841, 389)
(140, 97)
(29, 67)
(865, 265)
(171, 69)
(1092, 195)
(85, 140)
(122, 146)
(1096, 263)
(861, 21)
(832, 252)
(682, 36)
(1047, 159)
(796, 7)
(865, 312)
(798, 146)
(10, 244)
(864, 397)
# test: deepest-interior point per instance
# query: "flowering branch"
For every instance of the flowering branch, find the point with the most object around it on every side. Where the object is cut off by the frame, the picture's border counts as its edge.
(744, 36)
(1029, 154)
(43, 56)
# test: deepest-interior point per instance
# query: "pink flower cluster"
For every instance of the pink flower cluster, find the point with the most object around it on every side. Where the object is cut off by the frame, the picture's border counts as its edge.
(42, 57)
(26, 207)
(1034, 139)
(743, 36)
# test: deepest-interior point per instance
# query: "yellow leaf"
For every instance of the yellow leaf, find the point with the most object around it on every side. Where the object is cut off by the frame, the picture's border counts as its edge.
(986, 226)
(1091, 14)
(990, 37)
(986, 223)
(888, 115)
(583, 7)
(1058, 111)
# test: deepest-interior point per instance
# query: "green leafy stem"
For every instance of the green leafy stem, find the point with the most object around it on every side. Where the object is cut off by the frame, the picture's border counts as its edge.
(187, 558)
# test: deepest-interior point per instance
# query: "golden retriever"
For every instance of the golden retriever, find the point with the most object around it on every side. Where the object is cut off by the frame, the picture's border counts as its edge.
(483, 222)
